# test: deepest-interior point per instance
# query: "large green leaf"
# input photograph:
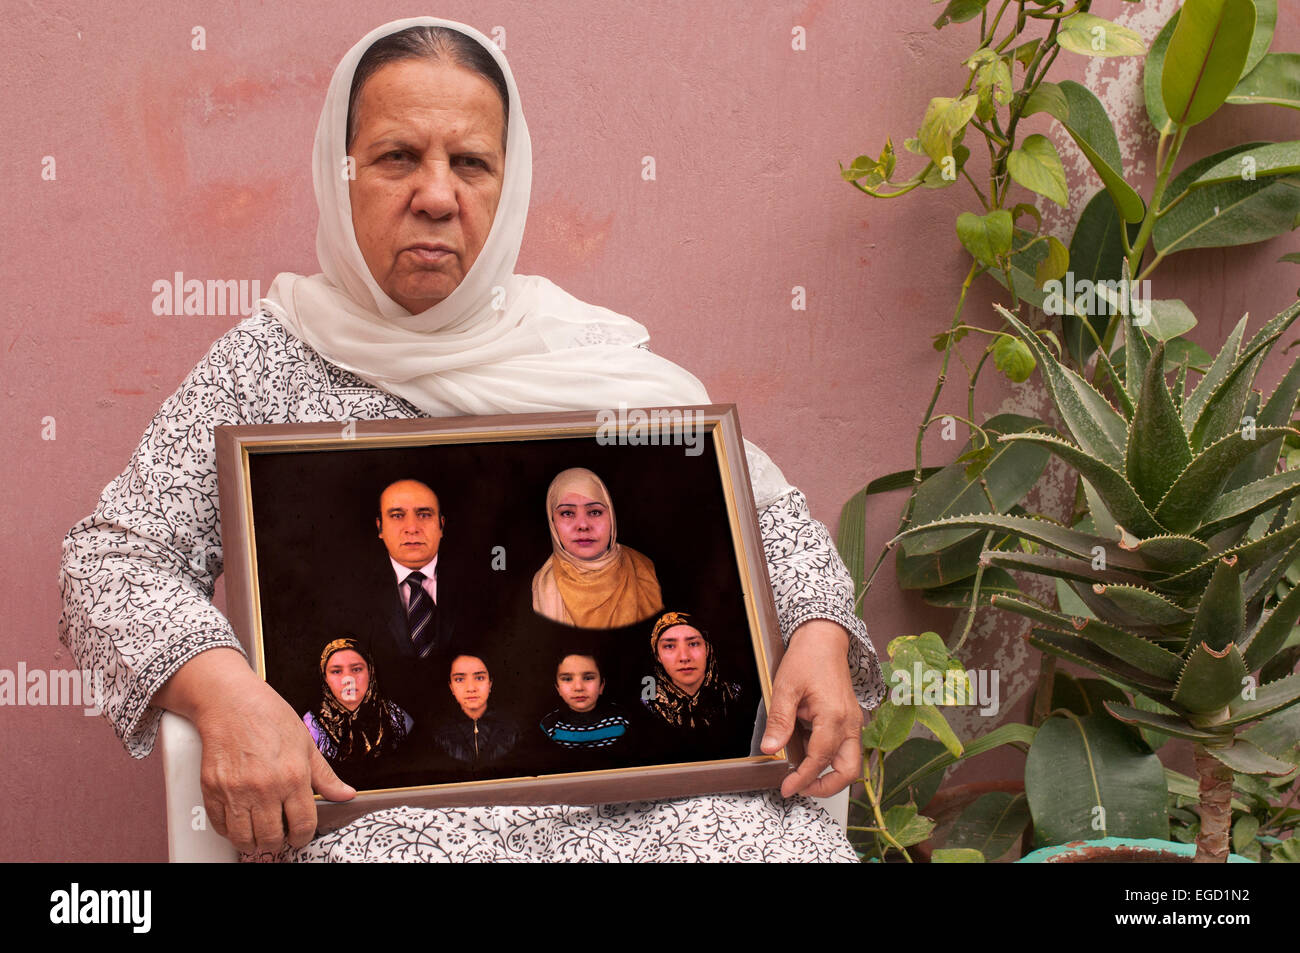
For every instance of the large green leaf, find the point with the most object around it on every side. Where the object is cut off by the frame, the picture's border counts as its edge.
(957, 595)
(959, 11)
(1096, 254)
(1205, 57)
(1211, 680)
(1091, 777)
(1152, 70)
(1276, 158)
(1084, 117)
(1157, 451)
(991, 824)
(1097, 427)
(1275, 81)
(901, 764)
(1236, 212)
(1265, 24)
(1013, 733)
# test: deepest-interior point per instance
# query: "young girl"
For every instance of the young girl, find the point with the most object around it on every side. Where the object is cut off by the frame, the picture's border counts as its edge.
(585, 723)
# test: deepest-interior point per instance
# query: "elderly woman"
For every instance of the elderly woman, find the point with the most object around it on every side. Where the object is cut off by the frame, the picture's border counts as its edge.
(422, 166)
(590, 580)
(353, 722)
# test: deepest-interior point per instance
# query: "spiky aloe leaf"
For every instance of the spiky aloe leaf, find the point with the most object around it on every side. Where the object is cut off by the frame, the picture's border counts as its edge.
(1246, 758)
(1271, 331)
(1249, 555)
(1157, 451)
(1221, 615)
(1224, 410)
(1097, 426)
(1267, 699)
(1223, 362)
(1263, 580)
(1225, 400)
(957, 595)
(1170, 552)
(1210, 680)
(1274, 412)
(1121, 500)
(1137, 356)
(1145, 606)
(1069, 541)
(1240, 506)
(1277, 733)
(1059, 566)
(1124, 646)
(1273, 631)
(1199, 485)
(1084, 653)
(1103, 522)
(1165, 724)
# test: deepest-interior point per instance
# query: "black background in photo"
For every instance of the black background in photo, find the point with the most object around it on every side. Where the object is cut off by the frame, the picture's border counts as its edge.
(320, 562)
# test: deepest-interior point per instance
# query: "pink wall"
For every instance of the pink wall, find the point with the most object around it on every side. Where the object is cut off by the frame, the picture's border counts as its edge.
(170, 159)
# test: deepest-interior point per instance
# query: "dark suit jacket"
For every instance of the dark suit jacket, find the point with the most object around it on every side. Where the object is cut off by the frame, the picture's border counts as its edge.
(374, 611)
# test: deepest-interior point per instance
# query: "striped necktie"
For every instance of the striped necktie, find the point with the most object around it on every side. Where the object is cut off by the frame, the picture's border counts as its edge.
(421, 615)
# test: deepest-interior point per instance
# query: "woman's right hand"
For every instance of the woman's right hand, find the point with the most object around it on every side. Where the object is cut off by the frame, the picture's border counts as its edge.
(260, 766)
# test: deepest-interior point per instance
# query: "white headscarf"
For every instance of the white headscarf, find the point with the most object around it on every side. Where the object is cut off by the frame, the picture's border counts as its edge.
(500, 342)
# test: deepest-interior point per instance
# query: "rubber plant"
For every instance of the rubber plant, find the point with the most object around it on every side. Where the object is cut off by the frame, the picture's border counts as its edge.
(1176, 583)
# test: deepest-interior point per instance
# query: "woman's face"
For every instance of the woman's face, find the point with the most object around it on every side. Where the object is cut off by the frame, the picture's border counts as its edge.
(429, 169)
(471, 685)
(684, 655)
(582, 525)
(578, 681)
(348, 677)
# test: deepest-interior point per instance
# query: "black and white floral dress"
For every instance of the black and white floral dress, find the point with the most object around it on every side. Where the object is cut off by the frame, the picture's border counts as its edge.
(137, 581)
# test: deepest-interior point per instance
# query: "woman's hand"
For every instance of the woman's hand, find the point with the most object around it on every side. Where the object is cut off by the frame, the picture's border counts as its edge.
(260, 766)
(812, 683)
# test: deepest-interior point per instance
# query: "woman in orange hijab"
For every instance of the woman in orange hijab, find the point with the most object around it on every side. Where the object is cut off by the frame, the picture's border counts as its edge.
(590, 580)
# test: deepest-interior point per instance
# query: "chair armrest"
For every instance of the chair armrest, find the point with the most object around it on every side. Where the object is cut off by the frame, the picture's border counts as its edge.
(190, 838)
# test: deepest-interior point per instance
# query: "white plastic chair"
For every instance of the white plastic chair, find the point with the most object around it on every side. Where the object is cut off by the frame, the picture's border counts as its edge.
(190, 839)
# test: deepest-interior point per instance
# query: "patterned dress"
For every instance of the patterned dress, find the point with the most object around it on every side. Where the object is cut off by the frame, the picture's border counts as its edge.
(137, 580)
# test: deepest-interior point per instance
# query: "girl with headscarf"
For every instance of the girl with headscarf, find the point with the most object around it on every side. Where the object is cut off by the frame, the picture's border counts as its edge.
(590, 579)
(138, 574)
(689, 693)
(353, 722)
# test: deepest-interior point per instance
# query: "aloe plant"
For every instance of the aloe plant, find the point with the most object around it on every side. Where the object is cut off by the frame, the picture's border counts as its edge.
(1192, 531)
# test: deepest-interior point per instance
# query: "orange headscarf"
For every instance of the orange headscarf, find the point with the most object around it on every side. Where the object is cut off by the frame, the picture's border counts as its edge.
(617, 588)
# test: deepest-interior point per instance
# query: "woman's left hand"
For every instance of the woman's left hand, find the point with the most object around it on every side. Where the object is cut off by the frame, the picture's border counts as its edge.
(812, 683)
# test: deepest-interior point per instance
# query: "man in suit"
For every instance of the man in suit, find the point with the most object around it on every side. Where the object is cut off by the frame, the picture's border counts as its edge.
(417, 617)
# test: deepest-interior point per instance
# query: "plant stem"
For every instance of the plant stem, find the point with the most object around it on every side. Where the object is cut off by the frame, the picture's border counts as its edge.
(1215, 788)
(925, 420)
(1149, 220)
(882, 830)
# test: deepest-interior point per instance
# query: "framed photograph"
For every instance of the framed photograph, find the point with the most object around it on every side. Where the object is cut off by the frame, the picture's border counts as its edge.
(526, 609)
